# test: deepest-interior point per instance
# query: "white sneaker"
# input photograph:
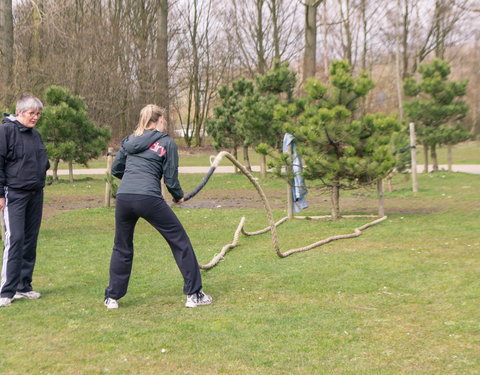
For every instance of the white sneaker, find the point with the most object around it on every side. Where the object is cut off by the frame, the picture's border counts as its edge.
(111, 303)
(5, 301)
(198, 299)
(28, 295)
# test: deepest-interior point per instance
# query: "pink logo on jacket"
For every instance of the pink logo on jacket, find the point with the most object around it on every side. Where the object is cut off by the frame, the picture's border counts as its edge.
(158, 149)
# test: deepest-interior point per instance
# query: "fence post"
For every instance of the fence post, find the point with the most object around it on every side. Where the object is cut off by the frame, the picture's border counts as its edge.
(381, 204)
(413, 155)
(108, 187)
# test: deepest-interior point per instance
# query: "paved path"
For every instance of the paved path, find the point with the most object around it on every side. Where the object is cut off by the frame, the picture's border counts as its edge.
(467, 168)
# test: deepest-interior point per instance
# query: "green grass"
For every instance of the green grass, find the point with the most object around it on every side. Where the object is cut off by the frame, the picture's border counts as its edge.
(403, 298)
(463, 153)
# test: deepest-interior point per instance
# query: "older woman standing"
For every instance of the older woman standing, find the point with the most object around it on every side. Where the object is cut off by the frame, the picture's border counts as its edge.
(23, 167)
(144, 157)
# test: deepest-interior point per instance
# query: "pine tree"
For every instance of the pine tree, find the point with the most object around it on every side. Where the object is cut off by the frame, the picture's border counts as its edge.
(224, 126)
(340, 149)
(69, 134)
(258, 124)
(438, 104)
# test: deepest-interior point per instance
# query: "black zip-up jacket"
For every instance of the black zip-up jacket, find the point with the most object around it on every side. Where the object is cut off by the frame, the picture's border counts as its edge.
(142, 161)
(23, 157)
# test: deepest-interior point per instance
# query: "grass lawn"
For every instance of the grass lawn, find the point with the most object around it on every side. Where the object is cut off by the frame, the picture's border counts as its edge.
(463, 153)
(403, 298)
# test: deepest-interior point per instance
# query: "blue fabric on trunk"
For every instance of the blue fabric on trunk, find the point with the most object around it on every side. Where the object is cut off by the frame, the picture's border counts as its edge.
(299, 190)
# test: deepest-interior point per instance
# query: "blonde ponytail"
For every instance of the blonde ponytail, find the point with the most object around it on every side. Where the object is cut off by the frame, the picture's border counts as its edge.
(148, 115)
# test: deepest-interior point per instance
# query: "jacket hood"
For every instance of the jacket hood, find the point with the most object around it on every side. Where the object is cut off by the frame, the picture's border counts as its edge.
(134, 145)
(8, 118)
(11, 119)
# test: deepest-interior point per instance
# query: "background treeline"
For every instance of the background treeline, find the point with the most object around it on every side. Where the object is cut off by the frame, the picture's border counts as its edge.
(122, 54)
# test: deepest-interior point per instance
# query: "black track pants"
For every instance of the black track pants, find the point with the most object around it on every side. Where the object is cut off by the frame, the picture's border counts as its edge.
(129, 208)
(22, 215)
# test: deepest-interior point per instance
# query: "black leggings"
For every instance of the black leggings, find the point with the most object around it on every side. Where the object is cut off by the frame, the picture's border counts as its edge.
(131, 207)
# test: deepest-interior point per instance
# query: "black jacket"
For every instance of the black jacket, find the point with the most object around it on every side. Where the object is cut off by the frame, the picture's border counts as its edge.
(23, 157)
(142, 161)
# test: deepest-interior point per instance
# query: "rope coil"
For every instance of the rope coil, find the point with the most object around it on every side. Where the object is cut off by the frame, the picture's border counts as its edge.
(272, 224)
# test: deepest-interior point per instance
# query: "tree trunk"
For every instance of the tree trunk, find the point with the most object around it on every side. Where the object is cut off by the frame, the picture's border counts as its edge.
(55, 170)
(273, 5)
(260, 38)
(246, 159)
(433, 154)
(381, 205)
(335, 199)
(397, 66)
(6, 52)
(363, 10)
(425, 156)
(325, 44)
(70, 170)
(235, 155)
(161, 85)
(405, 39)
(347, 29)
(310, 50)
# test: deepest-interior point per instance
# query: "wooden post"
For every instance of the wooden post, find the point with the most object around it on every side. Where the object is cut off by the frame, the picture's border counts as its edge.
(381, 206)
(108, 187)
(413, 154)
(263, 166)
(289, 188)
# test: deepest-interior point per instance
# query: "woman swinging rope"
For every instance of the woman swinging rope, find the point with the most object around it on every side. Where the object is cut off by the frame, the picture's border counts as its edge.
(144, 157)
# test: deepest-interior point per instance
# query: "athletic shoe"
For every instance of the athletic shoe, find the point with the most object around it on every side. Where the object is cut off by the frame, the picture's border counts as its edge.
(111, 303)
(28, 295)
(5, 301)
(198, 299)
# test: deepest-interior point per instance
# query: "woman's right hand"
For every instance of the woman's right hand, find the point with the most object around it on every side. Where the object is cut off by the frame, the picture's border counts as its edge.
(2, 203)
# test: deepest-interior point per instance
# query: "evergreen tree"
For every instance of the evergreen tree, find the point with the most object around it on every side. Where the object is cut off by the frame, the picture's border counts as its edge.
(69, 134)
(340, 149)
(224, 127)
(438, 103)
(257, 122)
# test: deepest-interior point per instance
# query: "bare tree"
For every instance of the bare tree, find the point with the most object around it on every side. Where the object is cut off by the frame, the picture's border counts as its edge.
(161, 83)
(310, 49)
(6, 51)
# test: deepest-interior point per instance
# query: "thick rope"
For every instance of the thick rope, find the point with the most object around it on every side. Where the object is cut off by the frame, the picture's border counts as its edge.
(218, 257)
(272, 224)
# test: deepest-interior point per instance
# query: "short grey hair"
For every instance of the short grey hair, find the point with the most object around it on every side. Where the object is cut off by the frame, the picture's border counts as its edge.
(28, 101)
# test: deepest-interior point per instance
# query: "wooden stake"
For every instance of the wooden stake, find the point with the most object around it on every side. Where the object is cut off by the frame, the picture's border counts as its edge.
(381, 206)
(413, 154)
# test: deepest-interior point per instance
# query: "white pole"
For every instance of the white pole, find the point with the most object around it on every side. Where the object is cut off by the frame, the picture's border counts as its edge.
(413, 154)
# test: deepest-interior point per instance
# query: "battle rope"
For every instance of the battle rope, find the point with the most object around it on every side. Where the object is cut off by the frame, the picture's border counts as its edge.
(272, 224)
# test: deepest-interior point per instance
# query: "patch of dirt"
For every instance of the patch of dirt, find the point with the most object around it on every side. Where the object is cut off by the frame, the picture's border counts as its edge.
(68, 203)
(248, 198)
